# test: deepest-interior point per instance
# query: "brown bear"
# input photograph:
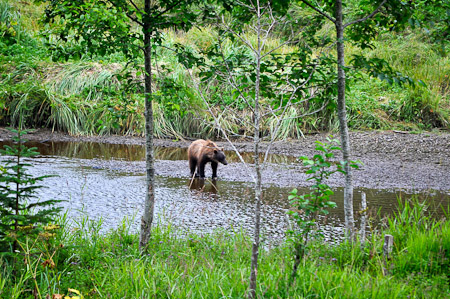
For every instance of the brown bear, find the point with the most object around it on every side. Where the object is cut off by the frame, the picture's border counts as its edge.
(201, 152)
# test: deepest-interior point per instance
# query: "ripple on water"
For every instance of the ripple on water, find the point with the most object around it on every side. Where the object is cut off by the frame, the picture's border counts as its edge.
(111, 195)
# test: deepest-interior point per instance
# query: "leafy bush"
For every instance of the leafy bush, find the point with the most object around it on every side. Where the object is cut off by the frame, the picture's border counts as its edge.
(10, 28)
(21, 214)
(307, 208)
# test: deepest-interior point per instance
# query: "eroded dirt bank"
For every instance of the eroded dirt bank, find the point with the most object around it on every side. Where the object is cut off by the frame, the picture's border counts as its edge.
(391, 160)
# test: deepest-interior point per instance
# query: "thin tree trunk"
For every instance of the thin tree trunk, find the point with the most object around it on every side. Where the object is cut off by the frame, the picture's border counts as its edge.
(343, 128)
(147, 218)
(16, 208)
(258, 189)
(363, 218)
(258, 192)
(257, 231)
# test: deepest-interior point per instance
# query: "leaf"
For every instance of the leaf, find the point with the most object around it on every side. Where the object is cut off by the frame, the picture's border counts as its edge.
(308, 162)
(421, 83)
(76, 292)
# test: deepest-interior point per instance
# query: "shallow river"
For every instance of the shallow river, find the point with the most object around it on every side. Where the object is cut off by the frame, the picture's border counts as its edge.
(114, 194)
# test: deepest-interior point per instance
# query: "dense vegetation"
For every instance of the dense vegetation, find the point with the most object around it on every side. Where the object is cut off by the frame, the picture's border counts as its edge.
(181, 265)
(90, 95)
(47, 83)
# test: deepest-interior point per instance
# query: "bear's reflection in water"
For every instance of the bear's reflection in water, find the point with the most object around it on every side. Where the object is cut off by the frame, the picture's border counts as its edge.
(204, 185)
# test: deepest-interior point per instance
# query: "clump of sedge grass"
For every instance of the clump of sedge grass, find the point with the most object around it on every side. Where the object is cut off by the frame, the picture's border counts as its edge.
(187, 265)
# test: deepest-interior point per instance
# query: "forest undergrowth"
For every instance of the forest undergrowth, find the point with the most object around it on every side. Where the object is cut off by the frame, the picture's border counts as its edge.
(79, 258)
(93, 96)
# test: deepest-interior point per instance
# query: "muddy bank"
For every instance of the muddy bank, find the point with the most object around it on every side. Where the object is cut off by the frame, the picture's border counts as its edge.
(391, 160)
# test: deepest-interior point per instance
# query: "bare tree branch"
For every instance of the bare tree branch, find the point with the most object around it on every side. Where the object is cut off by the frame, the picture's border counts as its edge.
(366, 17)
(319, 11)
(247, 6)
(231, 78)
(167, 9)
(134, 19)
(271, 25)
(218, 125)
(135, 6)
(246, 42)
(293, 92)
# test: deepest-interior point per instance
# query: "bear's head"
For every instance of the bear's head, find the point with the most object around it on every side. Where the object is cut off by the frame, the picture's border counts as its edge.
(219, 156)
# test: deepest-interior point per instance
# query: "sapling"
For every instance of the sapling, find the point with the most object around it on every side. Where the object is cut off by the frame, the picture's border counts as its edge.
(306, 208)
(21, 214)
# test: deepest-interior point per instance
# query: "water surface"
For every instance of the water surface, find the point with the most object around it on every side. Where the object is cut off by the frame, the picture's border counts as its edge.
(200, 206)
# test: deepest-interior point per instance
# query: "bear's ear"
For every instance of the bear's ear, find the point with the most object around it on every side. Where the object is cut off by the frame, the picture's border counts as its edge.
(221, 149)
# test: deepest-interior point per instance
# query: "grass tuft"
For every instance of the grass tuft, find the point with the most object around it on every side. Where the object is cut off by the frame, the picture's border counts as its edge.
(182, 264)
(86, 97)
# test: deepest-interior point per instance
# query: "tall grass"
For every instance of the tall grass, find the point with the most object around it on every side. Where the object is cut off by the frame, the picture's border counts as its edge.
(10, 22)
(81, 97)
(288, 127)
(37, 106)
(30, 13)
(412, 55)
(180, 264)
(89, 79)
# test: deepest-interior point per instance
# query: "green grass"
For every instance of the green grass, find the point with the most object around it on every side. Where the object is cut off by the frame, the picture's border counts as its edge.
(411, 54)
(180, 264)
(86, 97)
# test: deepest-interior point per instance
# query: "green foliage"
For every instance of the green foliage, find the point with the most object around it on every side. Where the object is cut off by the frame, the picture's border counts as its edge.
(434, 17)
(277, 72)
(290, 127)
(369, 103)
(286, 76)
(97, 28)
(82, 256)
(393, 15)
(379, 68)
(307, 208)
(176, 97)
(80, 97)
(16, 42)
(428, 253)
(10, 27)
(21, 214)
(90, 27)
(424, 105)
(420, 105)
(32, 105)
(120, 114)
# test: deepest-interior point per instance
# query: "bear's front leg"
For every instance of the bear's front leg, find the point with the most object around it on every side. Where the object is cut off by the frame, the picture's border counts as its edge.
(214, 169)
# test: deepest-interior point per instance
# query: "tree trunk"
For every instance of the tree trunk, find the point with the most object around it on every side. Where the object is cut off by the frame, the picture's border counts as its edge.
(258, 189)
(147, 218)
(258, 192)
(343, 128)
(257, 231)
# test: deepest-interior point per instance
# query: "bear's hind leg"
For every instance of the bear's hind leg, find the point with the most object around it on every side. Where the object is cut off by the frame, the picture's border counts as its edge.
(201, 168)
(192, 166)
